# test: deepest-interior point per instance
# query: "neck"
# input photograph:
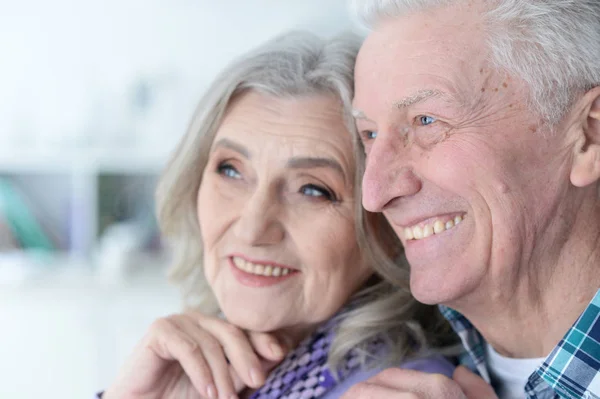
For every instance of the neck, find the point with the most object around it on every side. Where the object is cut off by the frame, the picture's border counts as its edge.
(534, 308)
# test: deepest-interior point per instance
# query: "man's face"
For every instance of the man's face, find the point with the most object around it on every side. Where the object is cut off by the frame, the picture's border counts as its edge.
(455, 159)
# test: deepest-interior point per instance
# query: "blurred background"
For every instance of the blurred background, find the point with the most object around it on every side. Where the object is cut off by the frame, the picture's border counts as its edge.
(93, 97)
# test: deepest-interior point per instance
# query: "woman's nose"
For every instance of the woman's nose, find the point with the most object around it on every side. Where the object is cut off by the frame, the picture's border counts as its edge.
(258, 223)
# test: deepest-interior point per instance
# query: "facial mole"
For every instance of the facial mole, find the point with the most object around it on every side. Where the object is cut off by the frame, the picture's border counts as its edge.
(533, 128)
(505, 85)
(483, 89)
(496, 89)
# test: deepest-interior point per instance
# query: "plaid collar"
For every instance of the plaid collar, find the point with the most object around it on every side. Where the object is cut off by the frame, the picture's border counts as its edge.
(571, 371)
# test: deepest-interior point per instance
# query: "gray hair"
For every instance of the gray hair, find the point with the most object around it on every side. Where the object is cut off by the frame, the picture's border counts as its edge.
(552, 45)
(294, 64)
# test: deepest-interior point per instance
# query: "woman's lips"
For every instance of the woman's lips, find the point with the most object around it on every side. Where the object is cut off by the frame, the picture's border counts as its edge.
(259, 274)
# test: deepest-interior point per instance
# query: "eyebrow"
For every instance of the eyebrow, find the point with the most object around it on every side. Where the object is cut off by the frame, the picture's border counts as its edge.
(358, 114)
(405, 102)
(293, 163)
(315, 162)
(226, 143)
(417, 97)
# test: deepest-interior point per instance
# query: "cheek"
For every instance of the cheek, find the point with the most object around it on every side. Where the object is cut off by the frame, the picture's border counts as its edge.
(465, 166)
(337, 258)
(213, 212)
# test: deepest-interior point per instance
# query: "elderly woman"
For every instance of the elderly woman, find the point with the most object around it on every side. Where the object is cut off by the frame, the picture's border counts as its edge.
(275, 253)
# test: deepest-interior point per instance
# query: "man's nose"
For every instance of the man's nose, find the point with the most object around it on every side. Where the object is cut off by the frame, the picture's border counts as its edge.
(388, 172)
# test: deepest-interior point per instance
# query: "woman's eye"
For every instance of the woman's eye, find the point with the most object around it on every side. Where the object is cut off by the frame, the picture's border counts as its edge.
(228, 170)
(425, 120)
(311, 190)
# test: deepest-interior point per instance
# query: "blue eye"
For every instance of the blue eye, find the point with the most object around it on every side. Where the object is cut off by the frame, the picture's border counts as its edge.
(229, 171)
(311, 190)
(370, 134)
(426, 120)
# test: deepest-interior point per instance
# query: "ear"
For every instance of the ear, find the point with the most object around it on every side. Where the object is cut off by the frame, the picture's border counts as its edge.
(586, 163)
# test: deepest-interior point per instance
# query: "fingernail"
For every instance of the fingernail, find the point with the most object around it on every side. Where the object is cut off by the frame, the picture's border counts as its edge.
(276, 350)
(210, 391)
(255, 376)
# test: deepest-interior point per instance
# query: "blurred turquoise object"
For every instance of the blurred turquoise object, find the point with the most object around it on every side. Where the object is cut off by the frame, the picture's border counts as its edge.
(21, 221)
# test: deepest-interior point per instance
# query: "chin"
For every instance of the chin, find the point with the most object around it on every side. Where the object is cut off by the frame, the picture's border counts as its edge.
(436, 290)
(248, 319)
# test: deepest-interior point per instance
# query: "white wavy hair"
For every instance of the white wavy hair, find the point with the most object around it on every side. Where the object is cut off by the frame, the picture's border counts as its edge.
(552, 45)
(292, 65)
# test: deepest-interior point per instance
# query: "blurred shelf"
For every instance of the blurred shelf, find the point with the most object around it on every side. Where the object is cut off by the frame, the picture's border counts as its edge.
(20, 270)
(85, 161)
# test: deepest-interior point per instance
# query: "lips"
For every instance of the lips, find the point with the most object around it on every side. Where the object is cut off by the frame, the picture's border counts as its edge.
(433, 226)
(260, 268)
(257, 274)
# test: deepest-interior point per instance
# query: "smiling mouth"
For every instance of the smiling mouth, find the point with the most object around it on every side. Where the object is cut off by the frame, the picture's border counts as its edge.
(437, 226)
(260, 269)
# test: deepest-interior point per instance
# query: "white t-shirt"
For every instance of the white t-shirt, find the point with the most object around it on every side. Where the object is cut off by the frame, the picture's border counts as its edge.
(510, 375)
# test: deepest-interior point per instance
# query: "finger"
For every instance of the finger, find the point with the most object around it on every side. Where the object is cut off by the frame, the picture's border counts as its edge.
(213, 354)
(426, 385)
(267, 346)
(237, 348)
(367, 390)
(238, 384)
(169, 342)
(472, 385)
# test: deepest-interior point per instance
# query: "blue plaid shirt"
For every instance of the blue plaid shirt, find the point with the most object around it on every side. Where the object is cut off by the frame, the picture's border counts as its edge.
(572, 370)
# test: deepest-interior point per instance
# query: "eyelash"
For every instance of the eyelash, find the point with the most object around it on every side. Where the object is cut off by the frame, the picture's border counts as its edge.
(328, 195)
(224, 167)
(420, 119)
(367, 134)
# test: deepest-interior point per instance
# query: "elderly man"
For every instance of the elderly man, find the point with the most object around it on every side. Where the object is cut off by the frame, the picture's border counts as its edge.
(481, 124)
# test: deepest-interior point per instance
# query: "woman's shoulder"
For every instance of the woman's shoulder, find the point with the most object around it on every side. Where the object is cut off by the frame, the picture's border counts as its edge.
(429, 364)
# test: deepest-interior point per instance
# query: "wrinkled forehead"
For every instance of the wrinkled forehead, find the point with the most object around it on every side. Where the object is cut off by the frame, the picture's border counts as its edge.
(280, 128)
(434, 50)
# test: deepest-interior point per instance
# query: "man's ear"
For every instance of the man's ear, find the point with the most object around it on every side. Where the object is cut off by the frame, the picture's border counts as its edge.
(586, 163)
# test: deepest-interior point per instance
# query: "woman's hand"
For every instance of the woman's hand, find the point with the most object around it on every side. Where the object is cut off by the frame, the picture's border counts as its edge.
(193, 356)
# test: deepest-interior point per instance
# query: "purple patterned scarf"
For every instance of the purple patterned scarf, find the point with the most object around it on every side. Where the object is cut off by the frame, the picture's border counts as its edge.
(304, 373)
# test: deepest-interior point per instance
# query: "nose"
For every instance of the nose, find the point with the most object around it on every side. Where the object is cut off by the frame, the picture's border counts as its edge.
(388, 173)
(258, 223)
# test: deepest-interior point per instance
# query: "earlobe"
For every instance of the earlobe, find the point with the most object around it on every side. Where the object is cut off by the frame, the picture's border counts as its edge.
(586, 162)
(586, 167)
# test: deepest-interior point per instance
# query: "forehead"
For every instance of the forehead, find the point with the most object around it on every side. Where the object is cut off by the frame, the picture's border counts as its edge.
(314, 117)
(440, 49)
(289, 126)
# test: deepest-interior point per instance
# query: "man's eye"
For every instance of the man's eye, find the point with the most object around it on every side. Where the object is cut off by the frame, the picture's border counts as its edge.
(369, 134)
(228, 170)
(425, 120)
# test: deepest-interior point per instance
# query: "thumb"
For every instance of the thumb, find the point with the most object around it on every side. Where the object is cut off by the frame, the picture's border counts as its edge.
(472, 385)
(268, 346)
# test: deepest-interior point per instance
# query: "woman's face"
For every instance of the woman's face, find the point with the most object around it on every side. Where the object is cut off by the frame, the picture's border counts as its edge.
(276, 212)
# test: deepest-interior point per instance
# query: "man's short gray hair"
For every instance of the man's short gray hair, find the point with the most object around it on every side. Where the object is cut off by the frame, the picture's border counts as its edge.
(552, 45)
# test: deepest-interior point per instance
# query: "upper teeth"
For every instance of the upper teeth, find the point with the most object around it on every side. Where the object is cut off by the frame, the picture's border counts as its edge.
(261, 270)
(419, 232)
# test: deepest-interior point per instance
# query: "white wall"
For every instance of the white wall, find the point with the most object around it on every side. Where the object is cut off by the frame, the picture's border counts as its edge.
(69, 67)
